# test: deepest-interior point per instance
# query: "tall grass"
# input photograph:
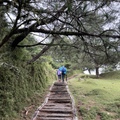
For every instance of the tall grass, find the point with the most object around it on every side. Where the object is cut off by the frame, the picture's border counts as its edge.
(97, 98)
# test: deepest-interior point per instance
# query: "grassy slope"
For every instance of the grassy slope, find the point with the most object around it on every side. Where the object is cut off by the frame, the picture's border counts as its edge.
(97, 98)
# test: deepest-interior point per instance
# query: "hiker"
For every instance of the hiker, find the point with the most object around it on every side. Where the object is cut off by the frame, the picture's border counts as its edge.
(59, 74)
(63, 70)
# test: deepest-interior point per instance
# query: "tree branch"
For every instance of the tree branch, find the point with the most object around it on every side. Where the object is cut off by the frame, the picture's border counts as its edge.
(41, 53)
(74, 33)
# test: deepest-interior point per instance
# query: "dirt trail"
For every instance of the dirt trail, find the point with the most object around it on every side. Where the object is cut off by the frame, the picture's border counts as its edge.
(58, 104)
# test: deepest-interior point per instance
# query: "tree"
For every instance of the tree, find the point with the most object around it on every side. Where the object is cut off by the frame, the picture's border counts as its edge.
(96, 55)
(68, 18)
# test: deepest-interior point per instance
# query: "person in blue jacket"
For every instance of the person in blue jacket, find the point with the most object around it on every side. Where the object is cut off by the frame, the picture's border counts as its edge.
(63, 70)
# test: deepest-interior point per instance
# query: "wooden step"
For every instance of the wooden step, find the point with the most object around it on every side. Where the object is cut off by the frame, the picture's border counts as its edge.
(43, 114)
(59, 98)
(53, 118)
(54, 90)
(59, 84)
(61, 101)
(56, 111)
(55, 107)
(58, 106)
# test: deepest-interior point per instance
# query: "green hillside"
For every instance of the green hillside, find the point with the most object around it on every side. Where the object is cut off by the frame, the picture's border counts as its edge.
(111, 75)
(97, 98)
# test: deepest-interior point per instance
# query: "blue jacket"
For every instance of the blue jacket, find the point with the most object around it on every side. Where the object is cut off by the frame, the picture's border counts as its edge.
(63, 69)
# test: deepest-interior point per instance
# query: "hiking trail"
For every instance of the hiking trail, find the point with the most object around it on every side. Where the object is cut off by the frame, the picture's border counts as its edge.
(58, 105)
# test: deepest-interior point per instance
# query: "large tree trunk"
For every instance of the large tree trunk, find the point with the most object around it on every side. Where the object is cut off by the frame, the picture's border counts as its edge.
(97, 71)
(89, 71)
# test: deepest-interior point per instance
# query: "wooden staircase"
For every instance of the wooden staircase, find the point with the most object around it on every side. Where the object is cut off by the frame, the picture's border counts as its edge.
(58, 104)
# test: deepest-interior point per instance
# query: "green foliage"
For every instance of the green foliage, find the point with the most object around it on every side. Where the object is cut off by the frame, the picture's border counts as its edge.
(19, 81)
(96, 92)
(97, 97)
(111, 75)
(113, 107)
(69, 5)
(3, 22)
(88, 114)
(105, 116)
(21, 54)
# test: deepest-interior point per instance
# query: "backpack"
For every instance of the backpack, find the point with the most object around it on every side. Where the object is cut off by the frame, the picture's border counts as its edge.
(59, 72)
(63, 69)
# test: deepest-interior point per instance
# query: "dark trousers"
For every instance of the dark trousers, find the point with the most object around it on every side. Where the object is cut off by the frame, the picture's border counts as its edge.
(63, 77)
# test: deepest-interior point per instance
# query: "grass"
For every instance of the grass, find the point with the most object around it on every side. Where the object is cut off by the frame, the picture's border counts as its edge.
(97, 98)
